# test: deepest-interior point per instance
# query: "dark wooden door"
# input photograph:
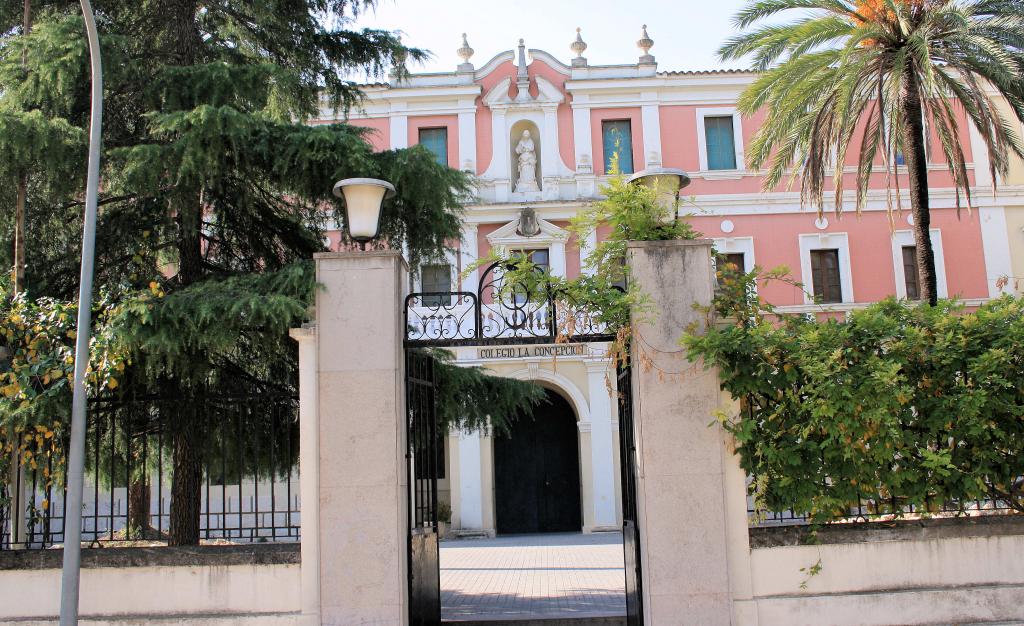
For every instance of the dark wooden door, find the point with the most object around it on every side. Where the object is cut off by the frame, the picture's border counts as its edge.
(537, 471)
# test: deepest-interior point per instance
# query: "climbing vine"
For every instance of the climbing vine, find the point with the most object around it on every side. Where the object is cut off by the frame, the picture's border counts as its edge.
(603, 292)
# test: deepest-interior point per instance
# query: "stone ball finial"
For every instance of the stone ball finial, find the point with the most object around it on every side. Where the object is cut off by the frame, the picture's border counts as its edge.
(465, 53)
(578, 46)
(645, 43)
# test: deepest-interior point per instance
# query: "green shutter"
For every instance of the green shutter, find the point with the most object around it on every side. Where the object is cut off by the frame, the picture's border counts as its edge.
(436, 140)
(721, 145)
(436, 279)
(618, 140)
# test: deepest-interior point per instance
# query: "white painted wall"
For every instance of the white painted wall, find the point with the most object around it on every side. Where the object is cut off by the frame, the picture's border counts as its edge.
(191, 594)
(948, 580)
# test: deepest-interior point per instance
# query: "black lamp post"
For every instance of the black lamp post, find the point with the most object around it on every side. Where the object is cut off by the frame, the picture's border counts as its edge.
(363, 198)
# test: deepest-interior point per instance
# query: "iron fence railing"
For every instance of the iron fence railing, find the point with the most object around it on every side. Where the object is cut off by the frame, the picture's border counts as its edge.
(249, 460)
(878, 510)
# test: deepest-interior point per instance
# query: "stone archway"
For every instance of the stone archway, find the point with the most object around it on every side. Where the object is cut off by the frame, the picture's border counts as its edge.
(537, 475)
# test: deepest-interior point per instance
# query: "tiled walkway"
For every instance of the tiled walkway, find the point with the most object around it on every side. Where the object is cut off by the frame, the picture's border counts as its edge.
(532, 577)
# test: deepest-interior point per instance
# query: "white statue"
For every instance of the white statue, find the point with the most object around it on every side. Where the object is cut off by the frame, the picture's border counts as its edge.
(527, 164)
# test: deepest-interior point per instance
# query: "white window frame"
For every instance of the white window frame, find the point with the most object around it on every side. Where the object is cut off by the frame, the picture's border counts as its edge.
(902, 238)
(452, 261)
(728, 245)
(737, 141)
(826, 241)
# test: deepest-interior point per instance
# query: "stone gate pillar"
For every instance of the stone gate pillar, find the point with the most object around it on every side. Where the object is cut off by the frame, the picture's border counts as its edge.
(690, 495)
(353, 467)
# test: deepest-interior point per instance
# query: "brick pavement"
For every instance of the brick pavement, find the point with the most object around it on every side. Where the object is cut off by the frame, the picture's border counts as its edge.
(532, 577)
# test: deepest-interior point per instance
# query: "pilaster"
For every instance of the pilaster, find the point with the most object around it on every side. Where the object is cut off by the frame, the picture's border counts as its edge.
(363, 476)
(682, 462)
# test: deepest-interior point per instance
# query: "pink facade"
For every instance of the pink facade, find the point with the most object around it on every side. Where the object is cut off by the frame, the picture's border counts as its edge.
(485, 112)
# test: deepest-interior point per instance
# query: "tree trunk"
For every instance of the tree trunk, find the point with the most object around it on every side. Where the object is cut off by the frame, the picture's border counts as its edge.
(917, 169)
(138, 508)
(18, 282)
(181, 37)
(19, 211)
(186, 494)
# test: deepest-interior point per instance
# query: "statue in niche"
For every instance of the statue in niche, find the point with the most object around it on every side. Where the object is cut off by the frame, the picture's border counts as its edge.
(527, 155)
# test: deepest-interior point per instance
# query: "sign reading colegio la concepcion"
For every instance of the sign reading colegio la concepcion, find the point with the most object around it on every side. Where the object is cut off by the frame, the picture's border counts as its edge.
(520, 352)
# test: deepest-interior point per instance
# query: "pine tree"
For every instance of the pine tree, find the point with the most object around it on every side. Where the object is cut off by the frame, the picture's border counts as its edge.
(213, 186)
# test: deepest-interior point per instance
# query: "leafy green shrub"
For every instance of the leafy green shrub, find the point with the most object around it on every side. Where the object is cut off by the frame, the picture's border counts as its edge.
(897, 405)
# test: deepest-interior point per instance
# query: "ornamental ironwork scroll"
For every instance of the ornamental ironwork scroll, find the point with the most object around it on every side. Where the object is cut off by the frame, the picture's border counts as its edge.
(507, 307)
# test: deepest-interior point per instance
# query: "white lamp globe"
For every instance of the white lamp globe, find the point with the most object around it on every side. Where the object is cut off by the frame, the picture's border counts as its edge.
(667, 182)
(363, 198)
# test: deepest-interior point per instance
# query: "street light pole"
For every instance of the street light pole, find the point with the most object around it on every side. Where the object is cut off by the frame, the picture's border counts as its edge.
(76, 458)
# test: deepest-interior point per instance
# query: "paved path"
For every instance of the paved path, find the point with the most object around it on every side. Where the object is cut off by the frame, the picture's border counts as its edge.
(532, 576)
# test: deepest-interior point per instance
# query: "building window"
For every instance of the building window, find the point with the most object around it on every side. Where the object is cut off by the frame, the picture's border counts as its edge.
(541, 259)
(825, 276)
(728, 262)
(436, 140)
(910, 277)
(618, 143)
(436, 279)
(720, 142)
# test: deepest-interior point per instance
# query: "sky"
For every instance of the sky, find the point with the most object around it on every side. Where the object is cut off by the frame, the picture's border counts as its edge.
(686, 33)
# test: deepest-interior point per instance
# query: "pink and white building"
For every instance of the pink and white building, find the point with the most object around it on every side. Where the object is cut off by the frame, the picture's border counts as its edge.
(577, 115)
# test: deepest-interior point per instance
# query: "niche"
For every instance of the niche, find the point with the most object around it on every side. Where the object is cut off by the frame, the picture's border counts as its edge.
(524, 157)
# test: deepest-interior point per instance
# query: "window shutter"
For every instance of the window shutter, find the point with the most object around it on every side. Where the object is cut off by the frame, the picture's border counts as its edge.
(618, 139)
(438, 279)
(720, 143)
(910, 273)
(825, 275)
(436, 140)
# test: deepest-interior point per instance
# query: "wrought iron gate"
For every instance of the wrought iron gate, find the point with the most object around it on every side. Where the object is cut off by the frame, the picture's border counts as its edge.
(627, 463)
(423, 439)
(495, 314)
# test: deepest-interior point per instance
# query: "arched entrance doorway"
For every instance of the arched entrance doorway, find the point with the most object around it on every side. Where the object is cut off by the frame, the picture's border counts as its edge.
(537, 471)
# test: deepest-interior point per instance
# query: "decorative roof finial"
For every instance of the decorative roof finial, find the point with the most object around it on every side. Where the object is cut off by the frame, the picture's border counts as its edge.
(645, 43)
(521, 73)
(579, 46)
(465, 53)
(522, 77)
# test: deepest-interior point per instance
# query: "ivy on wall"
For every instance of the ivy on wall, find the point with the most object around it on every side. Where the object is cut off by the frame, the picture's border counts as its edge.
(896, 405)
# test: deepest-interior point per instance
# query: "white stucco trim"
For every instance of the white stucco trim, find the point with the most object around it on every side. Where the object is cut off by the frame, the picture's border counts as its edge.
(399, 131)
(995, 242)
(559, 383)
(551, 237)
(737, 137)
(901, 238)
(826, 241)
(725, 245)
(650, 119)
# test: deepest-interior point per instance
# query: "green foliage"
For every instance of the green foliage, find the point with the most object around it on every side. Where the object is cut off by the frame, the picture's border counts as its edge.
(216, 318)
(215, 192)
(835, 78)
(38, 341)
(630, 212)
(897, 405)
(468, 398)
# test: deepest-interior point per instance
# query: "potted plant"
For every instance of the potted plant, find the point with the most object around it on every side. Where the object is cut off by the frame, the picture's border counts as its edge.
(444, 518)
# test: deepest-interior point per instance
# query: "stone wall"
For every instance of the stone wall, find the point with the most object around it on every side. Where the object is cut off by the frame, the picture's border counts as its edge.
(203, 586)
(934, 572)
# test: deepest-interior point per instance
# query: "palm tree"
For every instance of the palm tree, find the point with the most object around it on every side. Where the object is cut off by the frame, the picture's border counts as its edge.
(880, 73)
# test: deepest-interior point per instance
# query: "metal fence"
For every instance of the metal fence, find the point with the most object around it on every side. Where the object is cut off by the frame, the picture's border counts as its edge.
(878, 510)
(248, 455)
